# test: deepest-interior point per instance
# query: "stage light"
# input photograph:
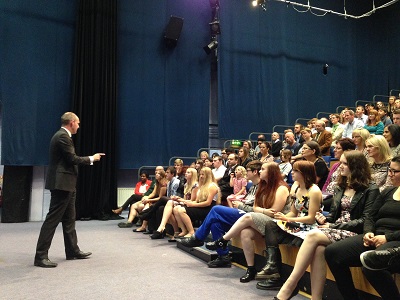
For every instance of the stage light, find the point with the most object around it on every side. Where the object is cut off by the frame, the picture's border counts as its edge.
(211, 46)
(258, 2)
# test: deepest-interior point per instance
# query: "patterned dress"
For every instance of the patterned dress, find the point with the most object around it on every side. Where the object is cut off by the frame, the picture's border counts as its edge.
(335, 235)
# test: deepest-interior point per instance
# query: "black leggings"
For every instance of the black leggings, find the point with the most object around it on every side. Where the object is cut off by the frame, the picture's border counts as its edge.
(132, 199)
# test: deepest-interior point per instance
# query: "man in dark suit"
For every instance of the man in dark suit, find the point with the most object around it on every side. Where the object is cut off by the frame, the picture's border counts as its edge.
(224, 182)
(61, 181)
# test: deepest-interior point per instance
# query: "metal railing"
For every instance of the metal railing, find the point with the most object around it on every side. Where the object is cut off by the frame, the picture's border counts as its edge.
(148, 168)
(170, 162)
(324, 113)
(341, 107)
(394, 90)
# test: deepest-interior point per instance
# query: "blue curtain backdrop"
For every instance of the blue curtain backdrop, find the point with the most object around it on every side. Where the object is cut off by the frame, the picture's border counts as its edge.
(36, 46)
(270, 72)
(163, 93)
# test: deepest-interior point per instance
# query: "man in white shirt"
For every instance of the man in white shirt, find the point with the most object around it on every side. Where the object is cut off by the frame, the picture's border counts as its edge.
(219, 168)
(351, 125)
(360, 114)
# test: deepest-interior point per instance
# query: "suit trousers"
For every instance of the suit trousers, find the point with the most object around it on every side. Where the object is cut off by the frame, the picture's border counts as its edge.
(219, 220)
(62, 209)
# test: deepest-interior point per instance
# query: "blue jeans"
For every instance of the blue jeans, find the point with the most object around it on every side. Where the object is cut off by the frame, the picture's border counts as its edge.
(219, 220)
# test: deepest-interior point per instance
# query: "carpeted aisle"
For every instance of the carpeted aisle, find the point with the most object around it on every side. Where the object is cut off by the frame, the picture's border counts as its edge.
(124, 265)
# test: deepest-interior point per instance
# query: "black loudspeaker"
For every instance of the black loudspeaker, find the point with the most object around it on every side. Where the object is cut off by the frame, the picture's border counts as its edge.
(17, 186)
(173, 31)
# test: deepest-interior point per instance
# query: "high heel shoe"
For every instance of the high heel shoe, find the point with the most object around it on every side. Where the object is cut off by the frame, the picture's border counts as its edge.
(158, 235)
(220, 243)
(294, 293)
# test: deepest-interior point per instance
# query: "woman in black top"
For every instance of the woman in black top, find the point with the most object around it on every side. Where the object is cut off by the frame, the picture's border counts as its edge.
(381, 231)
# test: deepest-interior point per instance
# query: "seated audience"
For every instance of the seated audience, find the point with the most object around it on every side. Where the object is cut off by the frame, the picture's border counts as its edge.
(252, 152)
(244, 157)
(360, 114)
(307, 137)
(380, 232)
(359, 136)
(323, 138)
(160, 190)
(239, 183)
(180, 174)
(396, 115)
(337, 128)
(207, 196)
(190, 193)
(312, 153)
(383, 114)
(142, 188)
(392, 135)
(342, 145)
(224, 182)
(204, 155)
(219, 168)
(220, 219)
(208, 162)
(306, 201)
(390, 106)
(291, 143)
(199, 165)
(351, 124)
(374, 124)
(271, 197)
(285, 166)
(264, 155)
(276, 145)
(297, 133)
(261, 138)
(351, 204)
(379, 154)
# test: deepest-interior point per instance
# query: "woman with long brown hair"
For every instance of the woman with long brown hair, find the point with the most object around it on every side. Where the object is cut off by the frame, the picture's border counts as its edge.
(374, 124)
(271, 197)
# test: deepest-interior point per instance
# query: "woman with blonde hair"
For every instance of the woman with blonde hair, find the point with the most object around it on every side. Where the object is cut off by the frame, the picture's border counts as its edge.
(374, 124)
(208, 194)
(360, 135)
(204, 155)
(379, 155)
(190, 193)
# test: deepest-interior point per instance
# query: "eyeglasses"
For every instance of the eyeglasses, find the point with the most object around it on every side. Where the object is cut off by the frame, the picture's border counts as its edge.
(391, 171)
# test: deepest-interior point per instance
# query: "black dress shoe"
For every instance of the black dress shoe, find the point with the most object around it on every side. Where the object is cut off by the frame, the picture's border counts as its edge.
(270, 284)
(79, 255)
(148, 232)
(191, 242)
(294, 293)
(44, 263)
(220, 243)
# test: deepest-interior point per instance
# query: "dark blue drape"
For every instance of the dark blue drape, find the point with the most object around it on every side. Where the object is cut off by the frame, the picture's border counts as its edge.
(36, 46)
(163, 93)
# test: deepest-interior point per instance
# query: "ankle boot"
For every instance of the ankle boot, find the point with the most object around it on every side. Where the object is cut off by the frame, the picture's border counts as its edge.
(271, 269)
(250, 275)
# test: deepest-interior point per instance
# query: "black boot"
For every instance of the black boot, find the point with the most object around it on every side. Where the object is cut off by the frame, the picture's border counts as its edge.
(250, 274)
(270, 284)
(270, 270)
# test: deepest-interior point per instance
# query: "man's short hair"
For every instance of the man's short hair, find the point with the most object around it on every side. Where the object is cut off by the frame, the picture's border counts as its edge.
(350, 111)
(254, 165)
(396, 111)
(172, 170)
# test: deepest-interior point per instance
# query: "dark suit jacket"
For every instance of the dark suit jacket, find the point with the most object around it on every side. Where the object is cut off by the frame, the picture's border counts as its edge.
(324, 141)
(223, 183)
(63, 165)
(276, 148)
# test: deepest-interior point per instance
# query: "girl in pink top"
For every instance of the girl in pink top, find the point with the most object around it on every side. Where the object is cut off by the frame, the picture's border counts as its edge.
(238, 182)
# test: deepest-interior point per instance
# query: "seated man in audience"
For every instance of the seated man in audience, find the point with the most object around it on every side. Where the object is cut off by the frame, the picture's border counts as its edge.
(219, 169)
(291, 143)
(360, 114)
(297, 133)
(352, 124)
(383, 114)
(323, 138)
(396, 116)
(224, 182)
(261, 138)
(337, 128)
(143, 188)
(276, 146)
(327, 124)
(220, 219)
